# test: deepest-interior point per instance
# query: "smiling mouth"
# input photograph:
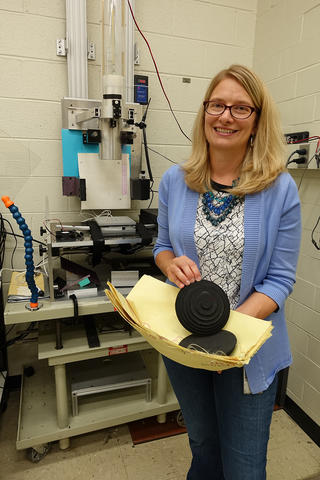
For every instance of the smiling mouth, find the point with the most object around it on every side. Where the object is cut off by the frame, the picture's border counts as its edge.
(224, 131)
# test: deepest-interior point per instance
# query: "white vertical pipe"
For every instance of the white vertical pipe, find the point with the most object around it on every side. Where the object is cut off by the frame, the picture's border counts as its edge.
(129, 54)
(61, 396)
(162, 387)
(77, 44)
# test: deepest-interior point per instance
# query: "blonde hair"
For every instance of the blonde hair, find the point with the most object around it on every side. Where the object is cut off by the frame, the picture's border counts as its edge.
(263, 162)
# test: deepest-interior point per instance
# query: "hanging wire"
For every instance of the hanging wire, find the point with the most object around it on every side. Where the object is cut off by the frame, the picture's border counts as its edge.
(157, 72)
(305, 169)
(3, 235)
(316, 244)
(161, 155)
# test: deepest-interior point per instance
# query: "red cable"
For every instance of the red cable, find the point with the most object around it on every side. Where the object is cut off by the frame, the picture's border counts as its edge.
(156, 67)
(304, 140)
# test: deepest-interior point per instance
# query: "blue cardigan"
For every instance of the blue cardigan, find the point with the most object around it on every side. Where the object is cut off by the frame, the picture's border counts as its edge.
(272, 233)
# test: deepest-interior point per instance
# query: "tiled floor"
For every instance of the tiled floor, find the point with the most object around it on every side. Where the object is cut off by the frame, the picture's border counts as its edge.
(109, 455)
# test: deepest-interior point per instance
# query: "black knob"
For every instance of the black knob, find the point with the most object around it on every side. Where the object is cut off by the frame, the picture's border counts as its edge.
(42, 249)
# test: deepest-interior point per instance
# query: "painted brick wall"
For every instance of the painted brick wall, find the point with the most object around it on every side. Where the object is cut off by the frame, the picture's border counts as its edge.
(189, 38)
(287, 57)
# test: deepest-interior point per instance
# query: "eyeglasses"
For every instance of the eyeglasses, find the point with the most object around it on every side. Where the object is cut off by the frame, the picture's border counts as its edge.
(241, 112)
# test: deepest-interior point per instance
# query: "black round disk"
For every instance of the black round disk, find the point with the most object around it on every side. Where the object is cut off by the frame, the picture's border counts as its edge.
(222, 343)
(202, 307)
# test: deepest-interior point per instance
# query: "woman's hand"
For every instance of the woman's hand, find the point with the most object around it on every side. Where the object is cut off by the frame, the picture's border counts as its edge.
(182, 271)
(179, 270)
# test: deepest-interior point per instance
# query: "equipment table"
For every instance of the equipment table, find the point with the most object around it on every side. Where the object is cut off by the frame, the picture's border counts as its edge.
(45, 402)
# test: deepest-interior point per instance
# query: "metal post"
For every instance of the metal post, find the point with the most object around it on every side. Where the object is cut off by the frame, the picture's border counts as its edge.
(162, 387)
(61, 396)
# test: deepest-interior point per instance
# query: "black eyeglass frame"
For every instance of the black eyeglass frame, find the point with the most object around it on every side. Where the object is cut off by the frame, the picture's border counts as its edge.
(206, 103)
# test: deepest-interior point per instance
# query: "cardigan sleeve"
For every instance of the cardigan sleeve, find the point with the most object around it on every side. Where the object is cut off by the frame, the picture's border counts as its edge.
(163, 240)
(279, 280)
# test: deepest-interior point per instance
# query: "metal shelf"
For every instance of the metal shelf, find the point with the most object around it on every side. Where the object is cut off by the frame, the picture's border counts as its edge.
(75, 345)
(17, 312)
(38, 417)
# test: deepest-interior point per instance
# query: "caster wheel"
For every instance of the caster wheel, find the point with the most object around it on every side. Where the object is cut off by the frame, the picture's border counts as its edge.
(35, 455)
(180, 419)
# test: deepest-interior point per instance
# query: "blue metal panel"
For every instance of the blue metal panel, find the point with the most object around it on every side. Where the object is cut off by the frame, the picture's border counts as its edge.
(72, 144)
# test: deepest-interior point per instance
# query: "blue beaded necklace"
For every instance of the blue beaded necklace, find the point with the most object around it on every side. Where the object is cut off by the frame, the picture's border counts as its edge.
(216, 208)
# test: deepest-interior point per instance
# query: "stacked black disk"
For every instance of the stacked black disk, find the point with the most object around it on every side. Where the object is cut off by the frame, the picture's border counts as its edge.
(203, 309)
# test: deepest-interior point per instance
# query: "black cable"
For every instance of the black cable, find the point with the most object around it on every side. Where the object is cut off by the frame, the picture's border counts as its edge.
(301, 151)
(312, 237)
(144, 116)
(152, 195)
(161, 155)
(305, 169)
(75, 306)
(9, 330)
(147, 154)
(298, 161)
(16, 242)
(21, 336)
(3, 235)
(290, 156)
(142, 125)
(21, 236)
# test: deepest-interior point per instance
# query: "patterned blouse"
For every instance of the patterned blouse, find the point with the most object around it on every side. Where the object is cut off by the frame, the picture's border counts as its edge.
(220, 248)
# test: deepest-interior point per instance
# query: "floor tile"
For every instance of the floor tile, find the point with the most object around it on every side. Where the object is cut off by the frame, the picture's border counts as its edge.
(291, 453)
(162, 459)
(109, 454)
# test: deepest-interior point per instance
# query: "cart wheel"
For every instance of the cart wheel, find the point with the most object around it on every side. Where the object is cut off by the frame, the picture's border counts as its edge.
(180, 419)
(36, 454)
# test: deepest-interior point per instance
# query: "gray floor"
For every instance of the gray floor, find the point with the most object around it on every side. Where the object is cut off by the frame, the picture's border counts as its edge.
(109, 454)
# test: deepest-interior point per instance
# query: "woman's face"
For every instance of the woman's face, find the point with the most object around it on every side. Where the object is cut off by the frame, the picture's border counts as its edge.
(225, 131)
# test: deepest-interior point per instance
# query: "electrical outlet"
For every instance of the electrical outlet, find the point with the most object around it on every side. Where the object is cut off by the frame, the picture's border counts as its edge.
(296, 156)
(296, 137)
(306, 147)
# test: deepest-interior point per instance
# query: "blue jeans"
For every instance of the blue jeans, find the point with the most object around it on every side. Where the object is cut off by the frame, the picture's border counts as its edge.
(228, 430)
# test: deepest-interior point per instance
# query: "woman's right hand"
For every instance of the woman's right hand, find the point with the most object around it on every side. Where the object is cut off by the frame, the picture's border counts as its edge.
(182, 271)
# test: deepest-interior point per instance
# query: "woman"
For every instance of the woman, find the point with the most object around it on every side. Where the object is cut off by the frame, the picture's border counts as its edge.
(231, 215)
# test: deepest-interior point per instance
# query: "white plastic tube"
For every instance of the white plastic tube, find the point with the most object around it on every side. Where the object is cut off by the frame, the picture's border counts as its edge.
(129, 73)
(113, 38)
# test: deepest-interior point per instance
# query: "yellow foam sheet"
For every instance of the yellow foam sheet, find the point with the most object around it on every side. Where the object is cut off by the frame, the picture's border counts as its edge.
(18, 284)
(150, 308)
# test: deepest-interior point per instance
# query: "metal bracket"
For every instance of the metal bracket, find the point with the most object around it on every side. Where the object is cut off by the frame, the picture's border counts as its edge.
(136, 54)
(61, 47)
(91, 51)
(33, 309)
(76, 107)
(88, 115)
